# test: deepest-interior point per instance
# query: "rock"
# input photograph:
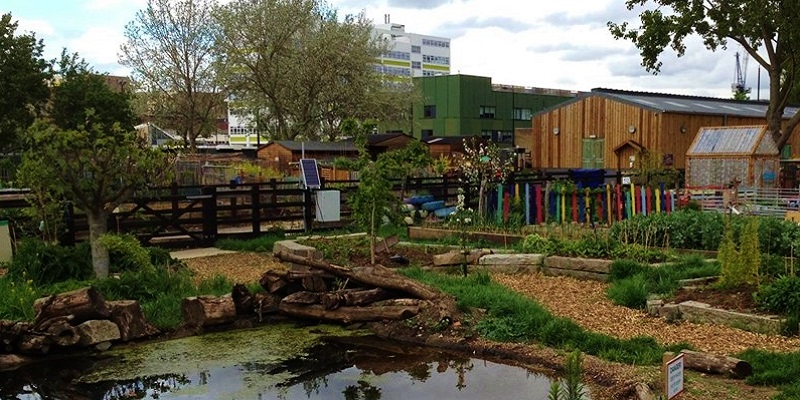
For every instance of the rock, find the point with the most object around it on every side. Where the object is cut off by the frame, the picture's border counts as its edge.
(292, 247)
(97, 331)
(653, 306)
(103, 346)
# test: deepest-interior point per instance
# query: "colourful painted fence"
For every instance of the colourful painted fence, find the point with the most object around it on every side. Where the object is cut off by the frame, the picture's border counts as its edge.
(557, 203)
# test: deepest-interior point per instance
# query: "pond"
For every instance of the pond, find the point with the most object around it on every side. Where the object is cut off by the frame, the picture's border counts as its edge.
(273, 362)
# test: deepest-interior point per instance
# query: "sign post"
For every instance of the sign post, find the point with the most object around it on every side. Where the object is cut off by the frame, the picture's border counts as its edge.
(673, 374)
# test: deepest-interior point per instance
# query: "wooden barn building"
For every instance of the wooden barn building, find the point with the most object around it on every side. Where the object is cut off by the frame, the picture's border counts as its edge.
(284, 155)
(608, 128)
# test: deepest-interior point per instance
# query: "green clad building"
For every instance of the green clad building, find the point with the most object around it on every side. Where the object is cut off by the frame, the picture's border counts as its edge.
(465, 105)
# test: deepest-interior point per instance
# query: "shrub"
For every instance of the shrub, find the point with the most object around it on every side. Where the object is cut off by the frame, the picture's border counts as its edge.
(630, 292)
(781, 296)
(622, 269)
(740, 266)
(45, 263)
(536, 244)
(125, 253)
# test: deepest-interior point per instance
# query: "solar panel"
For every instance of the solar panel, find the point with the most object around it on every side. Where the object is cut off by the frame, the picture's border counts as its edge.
(308, 167)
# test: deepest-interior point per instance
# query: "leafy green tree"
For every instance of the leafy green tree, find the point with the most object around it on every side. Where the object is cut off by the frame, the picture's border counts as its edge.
(301, 69)
(766, 29)
(96, 167)
(170, 51)
(374, 200)
(80, 88)
(23, 81)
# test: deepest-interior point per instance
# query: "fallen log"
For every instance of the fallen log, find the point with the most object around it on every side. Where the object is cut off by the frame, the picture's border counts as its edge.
(274, 281)
(247, 303)
(715, 364)
(377, 276)
(353, 297)
(11, 361)
(314, 283)
(11, 331)
(59, 331)
(31, 343)
(302, 298)
(348, 315)
(130, 319)
(85, 304)
(208, 310)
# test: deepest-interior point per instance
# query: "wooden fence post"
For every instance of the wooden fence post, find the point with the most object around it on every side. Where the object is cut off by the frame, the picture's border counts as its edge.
(255, 203)
(68, 238)
(308, 210)
(209, 215)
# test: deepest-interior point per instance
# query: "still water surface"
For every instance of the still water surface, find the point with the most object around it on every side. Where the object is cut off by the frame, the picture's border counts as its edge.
(274, 362)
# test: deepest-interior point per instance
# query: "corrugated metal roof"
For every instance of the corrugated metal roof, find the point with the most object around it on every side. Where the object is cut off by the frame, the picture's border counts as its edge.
(318, 146)
(662, 102)
(691, 104)
(728, 140)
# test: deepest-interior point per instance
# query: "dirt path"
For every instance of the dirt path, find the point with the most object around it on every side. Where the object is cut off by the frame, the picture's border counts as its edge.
(585, 303)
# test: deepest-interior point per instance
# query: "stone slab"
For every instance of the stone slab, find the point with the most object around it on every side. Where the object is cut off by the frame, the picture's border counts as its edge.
(512, 259)
(292, 247)
(694, 311)
(593, 265)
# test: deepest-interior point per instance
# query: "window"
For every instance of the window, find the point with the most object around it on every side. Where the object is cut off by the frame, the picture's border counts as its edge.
(523, 114)
(416, 49)
(426, 133)
(487, 112)
(435, 43)
(416, 65)
(398, 55)
(440, 60)
(429, 112)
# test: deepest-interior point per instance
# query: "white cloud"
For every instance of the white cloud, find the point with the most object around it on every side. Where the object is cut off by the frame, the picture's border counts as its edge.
(99, 45)
(41, 28)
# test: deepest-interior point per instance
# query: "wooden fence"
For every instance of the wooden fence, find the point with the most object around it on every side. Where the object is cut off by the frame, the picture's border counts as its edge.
(200, 215)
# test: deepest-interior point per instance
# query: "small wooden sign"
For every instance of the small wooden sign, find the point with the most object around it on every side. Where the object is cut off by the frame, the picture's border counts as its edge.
(673, 374)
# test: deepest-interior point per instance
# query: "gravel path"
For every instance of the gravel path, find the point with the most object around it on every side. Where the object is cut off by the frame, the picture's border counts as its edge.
(585, 303)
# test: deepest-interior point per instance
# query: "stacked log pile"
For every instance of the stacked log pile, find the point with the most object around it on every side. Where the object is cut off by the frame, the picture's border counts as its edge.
(315, 289)
(76, 319)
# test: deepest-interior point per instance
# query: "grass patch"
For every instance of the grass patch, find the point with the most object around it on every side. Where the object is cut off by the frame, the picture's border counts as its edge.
(261, 244)
(630, 292)
(512, 317)
(775, 369)
(633, 282)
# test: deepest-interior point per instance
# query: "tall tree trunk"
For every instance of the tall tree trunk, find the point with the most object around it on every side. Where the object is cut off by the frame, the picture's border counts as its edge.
(481, 201)
(97, 227)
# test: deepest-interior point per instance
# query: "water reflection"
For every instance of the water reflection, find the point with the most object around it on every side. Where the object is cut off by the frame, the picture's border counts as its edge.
(364, 368)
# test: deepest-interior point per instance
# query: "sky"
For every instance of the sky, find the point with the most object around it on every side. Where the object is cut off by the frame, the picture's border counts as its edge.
(554, 44)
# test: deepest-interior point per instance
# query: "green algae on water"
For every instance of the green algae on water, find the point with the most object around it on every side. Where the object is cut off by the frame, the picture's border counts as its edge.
(257, 347)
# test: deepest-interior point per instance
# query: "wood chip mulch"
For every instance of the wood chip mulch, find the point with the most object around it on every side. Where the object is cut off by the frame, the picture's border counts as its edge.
(586, 303)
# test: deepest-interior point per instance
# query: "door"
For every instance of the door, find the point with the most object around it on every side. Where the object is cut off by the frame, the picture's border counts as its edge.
(593, 153)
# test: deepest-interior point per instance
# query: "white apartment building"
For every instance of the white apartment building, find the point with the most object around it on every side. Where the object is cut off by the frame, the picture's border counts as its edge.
(412, 54)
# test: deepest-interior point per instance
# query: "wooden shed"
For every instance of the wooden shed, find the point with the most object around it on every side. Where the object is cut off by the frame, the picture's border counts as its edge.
(722, 156)
(608, 128)
(284, 155)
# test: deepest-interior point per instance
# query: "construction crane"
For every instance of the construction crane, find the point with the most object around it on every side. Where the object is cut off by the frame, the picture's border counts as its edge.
(739, 86)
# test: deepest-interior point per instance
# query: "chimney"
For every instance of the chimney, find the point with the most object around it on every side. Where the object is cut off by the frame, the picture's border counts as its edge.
(386, 19)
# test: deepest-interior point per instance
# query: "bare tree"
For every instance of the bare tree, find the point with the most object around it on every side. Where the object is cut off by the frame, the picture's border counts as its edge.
(303, 69)
(170, 50)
